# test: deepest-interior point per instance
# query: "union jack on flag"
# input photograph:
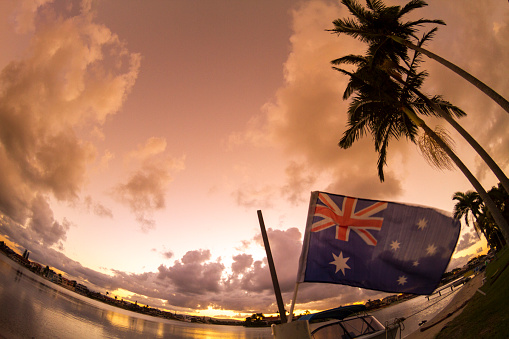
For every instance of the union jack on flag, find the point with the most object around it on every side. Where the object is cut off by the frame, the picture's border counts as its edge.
(394, 247)
(346, 218)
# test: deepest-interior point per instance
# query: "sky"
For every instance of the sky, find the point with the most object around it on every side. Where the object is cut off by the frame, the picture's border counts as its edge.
(138, 139)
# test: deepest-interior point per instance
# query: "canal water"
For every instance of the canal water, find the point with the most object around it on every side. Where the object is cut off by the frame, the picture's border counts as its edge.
(31, 307)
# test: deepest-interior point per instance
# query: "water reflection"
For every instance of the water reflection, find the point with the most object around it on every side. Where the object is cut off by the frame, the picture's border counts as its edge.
(34, 307)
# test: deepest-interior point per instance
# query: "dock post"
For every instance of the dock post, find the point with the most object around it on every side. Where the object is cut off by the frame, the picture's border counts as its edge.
(272, 268)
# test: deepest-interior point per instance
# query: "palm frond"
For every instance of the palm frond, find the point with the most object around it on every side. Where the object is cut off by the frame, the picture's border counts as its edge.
(413, 4)
(351, 59)
(448, 107)
(351, 87)
(411, 27)
(375, 5)
(357, 10)
(433, 153)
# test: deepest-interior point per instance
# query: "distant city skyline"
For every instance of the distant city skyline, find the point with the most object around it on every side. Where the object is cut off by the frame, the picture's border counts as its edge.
(138, 140)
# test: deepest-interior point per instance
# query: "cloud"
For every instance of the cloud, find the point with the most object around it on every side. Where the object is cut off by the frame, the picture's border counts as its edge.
(298, 182)
(307, 117)
(197, 281)
(144, 191)
(241, 263)
(40, 238)
(168, 254)
(458, 262)
(41, 229)
(60, 93)
(485, 35)
(152, 147)
(193, 275)
(44, 227)
(25, 15)
(250, 197)
(467, 240)
(97, 208)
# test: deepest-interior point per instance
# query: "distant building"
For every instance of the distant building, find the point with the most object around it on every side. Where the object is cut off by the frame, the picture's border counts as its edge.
(81, 289)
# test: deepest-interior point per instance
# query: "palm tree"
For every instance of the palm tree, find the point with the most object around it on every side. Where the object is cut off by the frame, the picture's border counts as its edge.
(387, 110)
(490, 229)
(472, 208)
(374, 25)
(414, 81)
(440, 107)
(380, 27)
(468, 207)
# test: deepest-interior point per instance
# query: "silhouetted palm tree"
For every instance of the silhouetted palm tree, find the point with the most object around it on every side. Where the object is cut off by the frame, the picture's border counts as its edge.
(382, 28)
(490, 229)
(388, 110)
(468, 208)
(374, 25)
(413, 83)
(471, 206)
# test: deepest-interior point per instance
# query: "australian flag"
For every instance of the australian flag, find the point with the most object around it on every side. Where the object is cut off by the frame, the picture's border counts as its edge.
(377, 245)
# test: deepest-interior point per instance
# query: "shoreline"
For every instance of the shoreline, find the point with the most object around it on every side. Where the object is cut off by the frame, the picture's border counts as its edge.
(431, 328)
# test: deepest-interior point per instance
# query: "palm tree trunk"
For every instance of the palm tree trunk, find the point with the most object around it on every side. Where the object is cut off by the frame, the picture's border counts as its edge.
(492, 207)
(467, 76)
(475, 145)
(478, 148)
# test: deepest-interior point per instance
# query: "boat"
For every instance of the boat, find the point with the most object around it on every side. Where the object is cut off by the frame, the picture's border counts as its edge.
(345, 322)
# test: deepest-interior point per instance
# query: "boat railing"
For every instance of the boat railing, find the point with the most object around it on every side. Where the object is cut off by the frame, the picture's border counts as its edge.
(348, 328)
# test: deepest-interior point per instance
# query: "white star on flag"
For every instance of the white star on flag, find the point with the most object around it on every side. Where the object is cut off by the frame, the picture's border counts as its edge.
(394, 245)
(416, 263)
(422, 224)
(340, 262)
(402, 280)
(431, 249)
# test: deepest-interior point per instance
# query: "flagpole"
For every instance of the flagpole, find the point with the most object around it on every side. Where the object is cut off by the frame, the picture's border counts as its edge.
(290, 317)
(272, 268)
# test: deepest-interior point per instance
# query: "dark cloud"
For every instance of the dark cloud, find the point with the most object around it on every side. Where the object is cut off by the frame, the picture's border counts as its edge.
(467, 240)
(40, 230)
(241, 263)
(42, 224)
(193, 275)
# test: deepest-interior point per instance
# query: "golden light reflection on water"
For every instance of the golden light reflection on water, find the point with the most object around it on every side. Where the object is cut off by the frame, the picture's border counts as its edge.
(42, 307)
(125, 321)
(206, 333)
(160, 330)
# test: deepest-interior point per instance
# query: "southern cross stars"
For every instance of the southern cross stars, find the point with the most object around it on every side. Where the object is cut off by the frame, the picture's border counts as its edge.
(395, 245)
(402, 280)
(340, 262)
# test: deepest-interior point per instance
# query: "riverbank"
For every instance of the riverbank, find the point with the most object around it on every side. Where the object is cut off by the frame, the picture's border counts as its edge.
(479, 310)
(431, 328)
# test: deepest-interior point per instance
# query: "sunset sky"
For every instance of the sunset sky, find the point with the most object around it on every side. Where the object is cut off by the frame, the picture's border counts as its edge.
(139, 138)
